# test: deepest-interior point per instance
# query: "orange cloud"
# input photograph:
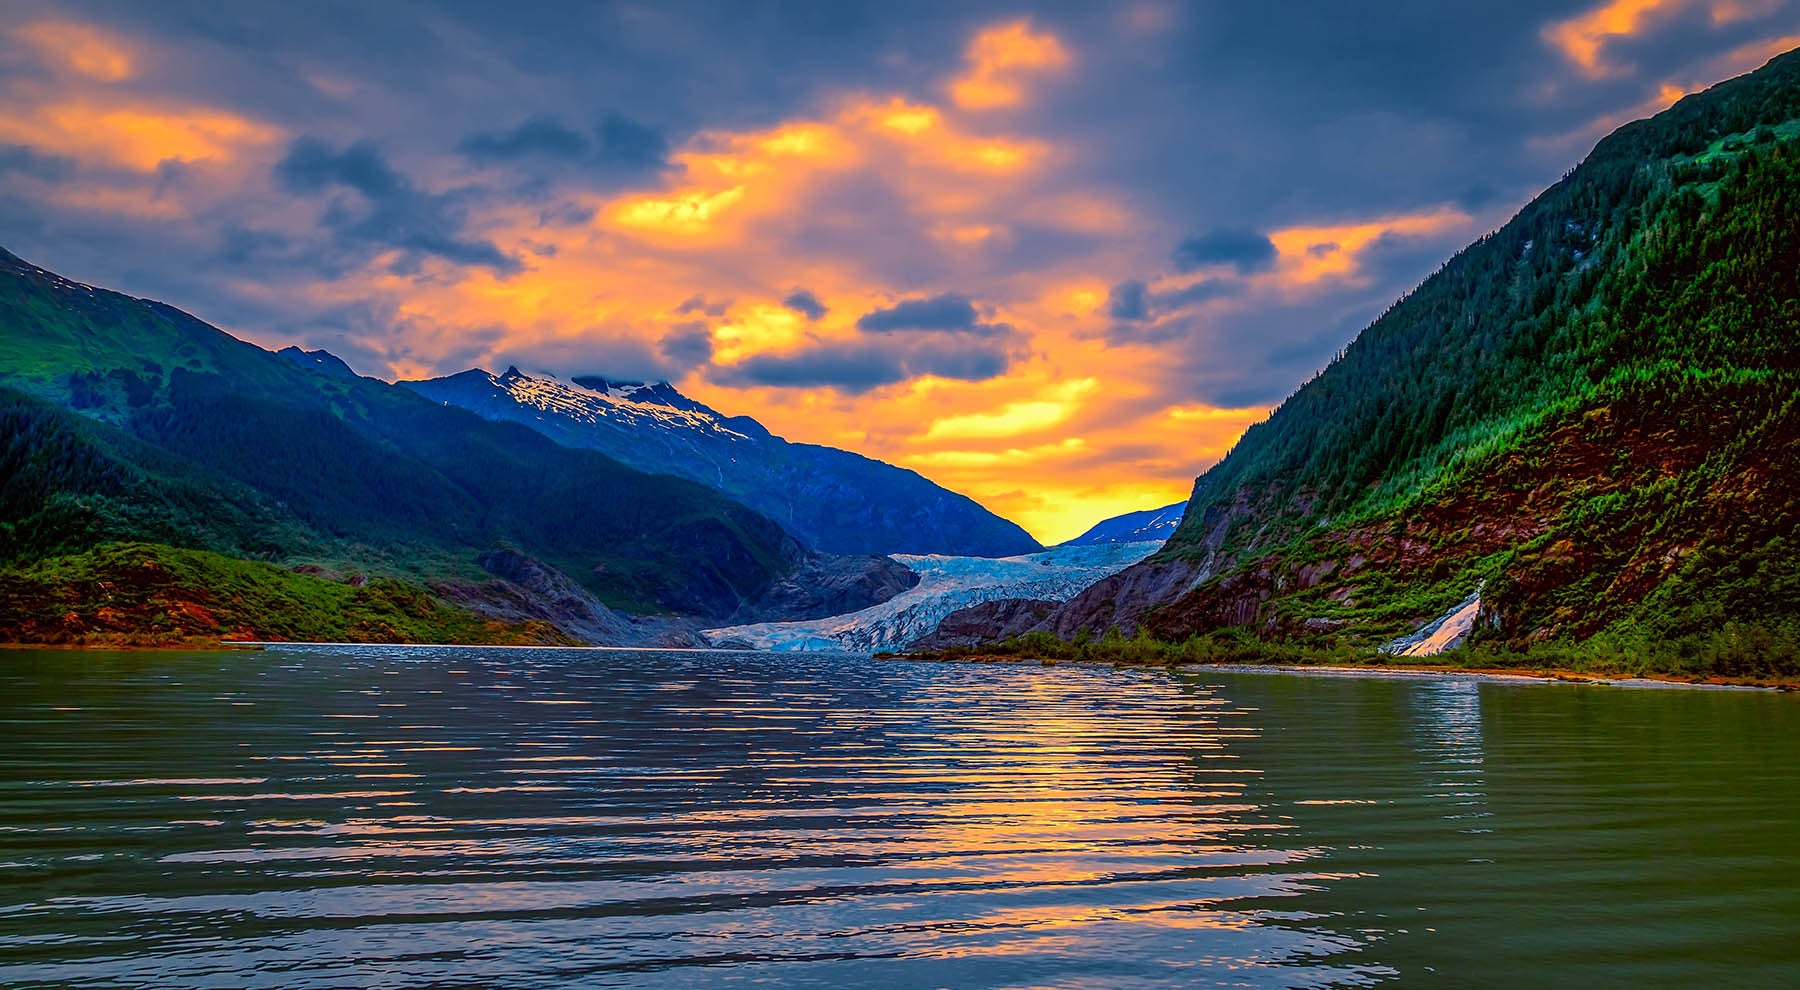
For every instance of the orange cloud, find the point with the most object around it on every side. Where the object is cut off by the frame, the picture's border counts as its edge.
(1583, 39)
(1084, 420)
(985, 460)
(851, 201)
(1735, 62)
(1015, 418)
(1125, 452)
(1307, 254)
(689, 212)
(139, 138)
(142, 204)
(759, 329)
(1079, 418)
(728, 179)
(83, 48)
(920, 132)
(966, 187)
(999, 59)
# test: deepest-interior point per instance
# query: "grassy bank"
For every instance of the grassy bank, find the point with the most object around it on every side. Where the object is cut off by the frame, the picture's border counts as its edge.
(150, 595)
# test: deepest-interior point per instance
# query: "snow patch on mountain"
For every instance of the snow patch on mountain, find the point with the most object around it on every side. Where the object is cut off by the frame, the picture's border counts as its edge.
(945, 585)
(597, 400)
(833, 500)
(1134, 527)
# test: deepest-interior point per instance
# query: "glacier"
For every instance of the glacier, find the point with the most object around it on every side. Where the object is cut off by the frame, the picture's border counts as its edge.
(945, 584)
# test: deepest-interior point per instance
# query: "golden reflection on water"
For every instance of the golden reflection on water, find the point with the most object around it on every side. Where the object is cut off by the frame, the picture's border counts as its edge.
(700, 811)
(569, 819)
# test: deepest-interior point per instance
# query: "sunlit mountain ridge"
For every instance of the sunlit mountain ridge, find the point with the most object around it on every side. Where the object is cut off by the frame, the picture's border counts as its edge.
(834, 500)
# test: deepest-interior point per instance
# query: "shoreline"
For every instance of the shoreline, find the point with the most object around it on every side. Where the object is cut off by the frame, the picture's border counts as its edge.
(1499, 675)
(1536, 675)
(255, 646)
(199, 646)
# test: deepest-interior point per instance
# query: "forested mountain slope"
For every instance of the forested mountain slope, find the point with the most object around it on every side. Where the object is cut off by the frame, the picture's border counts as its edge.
(1590, 414)
(129, 421)
(833, 500)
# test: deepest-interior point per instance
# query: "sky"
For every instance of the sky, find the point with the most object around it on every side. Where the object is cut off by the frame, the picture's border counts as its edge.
(1054, 256)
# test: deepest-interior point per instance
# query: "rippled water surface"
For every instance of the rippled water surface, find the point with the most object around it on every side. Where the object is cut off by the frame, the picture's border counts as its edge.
(333, 817)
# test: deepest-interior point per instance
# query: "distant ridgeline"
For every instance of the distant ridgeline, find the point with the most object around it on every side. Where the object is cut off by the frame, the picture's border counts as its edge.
(1133, 527)
(161, 481)
(1589, 415)
(833, 500)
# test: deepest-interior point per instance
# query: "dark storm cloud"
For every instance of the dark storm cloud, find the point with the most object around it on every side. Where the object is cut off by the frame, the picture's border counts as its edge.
(802, 301)
(688, 345)
(852, 368)
(1226, 117)
(313, 166)
(273, 255)
(1199, 292)
(1246, 250)
(969, 364)
(618, 143)
(20, 160)
(1295, 341)
(700, 304)
(628, 143)
(948, 311)
(537, 136)
(1129, 301)
(1148, 332)
(1140, 315)
(396, 214)
(857, 366)
(248, 245)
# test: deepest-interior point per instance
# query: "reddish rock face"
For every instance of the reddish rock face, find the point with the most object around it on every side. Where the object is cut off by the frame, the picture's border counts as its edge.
(1517, 518)
(987, 622)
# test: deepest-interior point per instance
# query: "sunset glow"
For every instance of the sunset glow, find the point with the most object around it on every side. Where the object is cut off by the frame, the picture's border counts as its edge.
(976, 253)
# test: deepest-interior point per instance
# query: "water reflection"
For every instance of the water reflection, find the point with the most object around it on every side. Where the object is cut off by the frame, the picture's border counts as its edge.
(537, 818)
(1448, 721)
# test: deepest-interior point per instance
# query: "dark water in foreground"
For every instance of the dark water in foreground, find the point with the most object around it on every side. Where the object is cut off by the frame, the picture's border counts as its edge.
(368, 817)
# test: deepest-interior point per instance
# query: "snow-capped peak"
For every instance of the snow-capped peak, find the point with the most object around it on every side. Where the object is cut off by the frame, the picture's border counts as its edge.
(591, 398)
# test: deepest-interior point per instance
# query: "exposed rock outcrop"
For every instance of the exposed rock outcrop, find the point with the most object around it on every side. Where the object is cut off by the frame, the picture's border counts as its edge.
(1120, 600)
(529, 589)
(988, 622)
(830, 585)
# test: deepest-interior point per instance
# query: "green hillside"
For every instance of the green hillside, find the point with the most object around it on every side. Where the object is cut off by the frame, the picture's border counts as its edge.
(143, 594)
(125, 420)
(1590, 414)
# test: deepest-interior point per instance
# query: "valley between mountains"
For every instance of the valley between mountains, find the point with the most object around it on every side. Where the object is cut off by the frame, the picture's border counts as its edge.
(1576, 443)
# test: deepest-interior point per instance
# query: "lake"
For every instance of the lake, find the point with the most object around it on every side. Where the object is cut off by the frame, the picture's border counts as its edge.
(447, 817)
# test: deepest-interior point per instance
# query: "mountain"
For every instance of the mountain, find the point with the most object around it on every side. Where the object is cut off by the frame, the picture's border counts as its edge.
(834, 500)
(1133, 527)
(946, 585)
(1588, 419)
(130, 422)
(324, 362)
